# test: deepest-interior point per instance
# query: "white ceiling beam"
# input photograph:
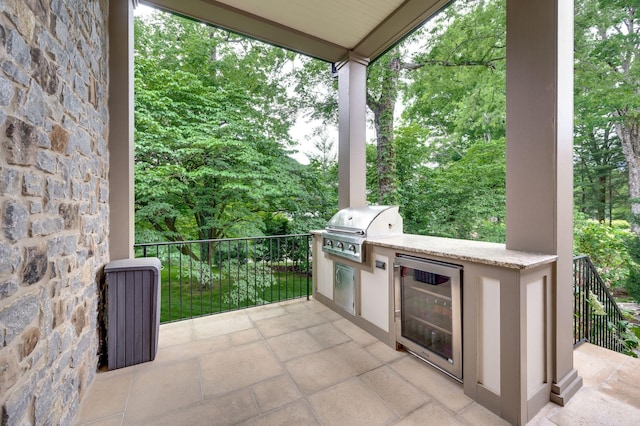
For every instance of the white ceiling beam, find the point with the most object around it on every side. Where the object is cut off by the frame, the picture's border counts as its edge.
(373, 41)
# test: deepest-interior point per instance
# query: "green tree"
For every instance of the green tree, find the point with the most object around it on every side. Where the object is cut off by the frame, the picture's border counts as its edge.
(458, 88)
(212, 121)
(607, 41)
(382, 95)
(451, 166)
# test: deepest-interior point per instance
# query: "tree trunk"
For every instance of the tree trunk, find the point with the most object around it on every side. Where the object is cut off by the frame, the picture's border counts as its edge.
(387, 184)
(383, 113)
(602, 198)
(629, 134)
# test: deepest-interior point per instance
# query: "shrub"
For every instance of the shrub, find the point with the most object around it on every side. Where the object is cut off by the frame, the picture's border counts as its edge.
(632, 284)
(608, 249)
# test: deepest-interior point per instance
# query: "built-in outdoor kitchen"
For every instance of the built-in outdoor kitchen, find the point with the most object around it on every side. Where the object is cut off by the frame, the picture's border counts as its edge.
(479, 313)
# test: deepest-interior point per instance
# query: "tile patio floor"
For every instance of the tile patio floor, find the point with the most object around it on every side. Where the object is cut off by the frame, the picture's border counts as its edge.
(299, 363)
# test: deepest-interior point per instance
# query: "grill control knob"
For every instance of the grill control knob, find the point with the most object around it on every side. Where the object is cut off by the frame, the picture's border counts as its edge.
(352, 248)
(339, 245)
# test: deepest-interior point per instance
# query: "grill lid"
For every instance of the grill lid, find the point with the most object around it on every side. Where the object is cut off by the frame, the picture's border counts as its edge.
(348, 230)
(367, 221)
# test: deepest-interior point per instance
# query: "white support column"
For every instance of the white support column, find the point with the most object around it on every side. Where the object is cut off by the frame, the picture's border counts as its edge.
(121, 184)
(352, 96)
(540, 160)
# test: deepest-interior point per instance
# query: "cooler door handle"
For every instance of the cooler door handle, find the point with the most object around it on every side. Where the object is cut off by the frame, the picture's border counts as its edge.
(396, 285)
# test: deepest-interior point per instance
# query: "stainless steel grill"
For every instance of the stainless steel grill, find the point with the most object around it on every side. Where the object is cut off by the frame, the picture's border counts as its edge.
(347, 231)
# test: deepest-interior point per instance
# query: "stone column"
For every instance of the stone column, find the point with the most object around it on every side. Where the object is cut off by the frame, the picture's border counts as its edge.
(540, 161)
(121, 197)
(352, 95)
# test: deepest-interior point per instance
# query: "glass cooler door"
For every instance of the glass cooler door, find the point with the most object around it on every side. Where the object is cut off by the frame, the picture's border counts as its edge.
(430, 312)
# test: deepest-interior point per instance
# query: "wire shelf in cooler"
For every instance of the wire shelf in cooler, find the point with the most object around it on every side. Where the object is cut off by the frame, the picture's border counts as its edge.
(432, 293)
(430, 324)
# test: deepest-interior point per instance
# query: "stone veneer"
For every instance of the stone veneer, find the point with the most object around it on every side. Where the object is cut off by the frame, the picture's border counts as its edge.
(54, 203)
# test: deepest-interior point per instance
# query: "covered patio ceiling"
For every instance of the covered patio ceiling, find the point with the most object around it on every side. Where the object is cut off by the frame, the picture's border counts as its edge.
(328, 30)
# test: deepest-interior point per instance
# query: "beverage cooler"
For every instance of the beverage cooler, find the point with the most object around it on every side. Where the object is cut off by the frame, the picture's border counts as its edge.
(428, 295)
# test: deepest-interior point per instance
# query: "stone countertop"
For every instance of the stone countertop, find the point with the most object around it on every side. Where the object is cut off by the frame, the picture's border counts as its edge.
(486, 253)
(495, 254)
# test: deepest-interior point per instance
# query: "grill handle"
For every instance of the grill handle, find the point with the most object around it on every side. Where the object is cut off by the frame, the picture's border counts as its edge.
(346, 230)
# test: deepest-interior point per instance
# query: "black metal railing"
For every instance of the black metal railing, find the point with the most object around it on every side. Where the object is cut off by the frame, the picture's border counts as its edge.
(206, 277)
(597, 318)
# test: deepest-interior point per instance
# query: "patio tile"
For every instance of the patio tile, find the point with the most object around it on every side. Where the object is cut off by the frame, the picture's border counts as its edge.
(264, 312)
(243, 337)
(319, 370)
(293, 306)
(292, 345)
(237, 367)
(351, 403)
(317, 307)
(160, 390)
(435, 384)
(596, 365)
(327, 335)
(385, 353)
(589, 406)
(322, 369)
(115, 420)
(621, 388)
(357, 334)
(277, 326)
(294, 414)
(330, 315)
(361, 361)
(228, 409)
(106, 397)
(236, 376)
(176, 333)
(275, 393)
(543, 416)
(401, 396)
(204, 328)
(431, 413)
(191, 350)
(629, 371)
(477, 415)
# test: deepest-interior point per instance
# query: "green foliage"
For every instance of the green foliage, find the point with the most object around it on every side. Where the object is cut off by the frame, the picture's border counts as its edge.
(633, 280)
(597, 308)
(382, 95)
(621, 330)
(607, 248)
(465, 199)
(249, 286)
(607, 107)
(182, 298)
(599, 168)
(212, 118)
(460, 93)
(626, 335)
(451, 146)
(316, 91)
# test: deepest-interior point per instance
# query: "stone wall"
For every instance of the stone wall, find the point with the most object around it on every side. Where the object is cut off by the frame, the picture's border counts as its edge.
(54, 203)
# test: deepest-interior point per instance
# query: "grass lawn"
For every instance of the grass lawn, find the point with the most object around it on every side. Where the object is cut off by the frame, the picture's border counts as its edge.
(230, 290)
